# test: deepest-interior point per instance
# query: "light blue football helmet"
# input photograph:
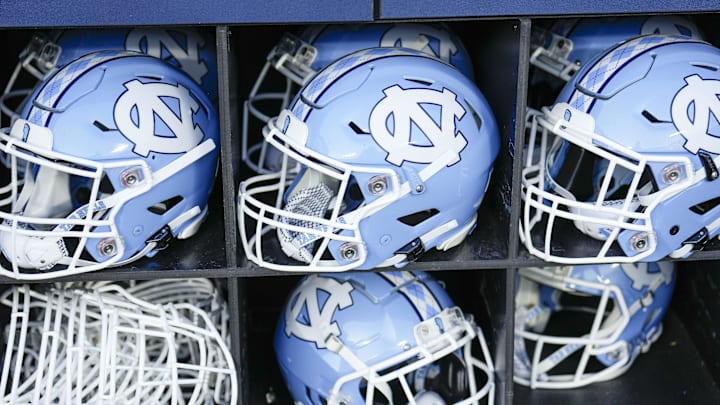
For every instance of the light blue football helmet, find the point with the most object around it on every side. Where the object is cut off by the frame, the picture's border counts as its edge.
(380, 338)
(121, 151)
(578, 325)
(295, 59)
(395, 150)
(191, 50)
(560, 51)
(569, 43)
(628, 155)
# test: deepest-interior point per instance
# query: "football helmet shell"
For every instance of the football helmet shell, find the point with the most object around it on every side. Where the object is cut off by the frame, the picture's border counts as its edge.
(628, 156)
(122, 150)
(402, 171)
(297, 59)
(570, 43)
(608, 315)
(392, 337)
(192, 50)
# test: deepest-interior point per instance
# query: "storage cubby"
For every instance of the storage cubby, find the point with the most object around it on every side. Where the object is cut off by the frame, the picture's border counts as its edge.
(480, 274)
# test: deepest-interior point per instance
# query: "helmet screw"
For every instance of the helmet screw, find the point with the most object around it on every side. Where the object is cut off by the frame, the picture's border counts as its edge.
(639, 242)
(614, 355)
(106, 247)
(377, 185)
(130, 177)
(671, 173)
(419, 188)
(348, 251)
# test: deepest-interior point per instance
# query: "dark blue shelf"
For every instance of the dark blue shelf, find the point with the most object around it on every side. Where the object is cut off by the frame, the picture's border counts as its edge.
(103, 13)
(73, 13)
(395, 9)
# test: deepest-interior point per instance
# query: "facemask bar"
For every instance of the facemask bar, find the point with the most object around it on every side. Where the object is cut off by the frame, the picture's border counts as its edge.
(199, 293)
(339, 226)
(546, 201)
(553, 58)
(106, 345)
(599, 340)
(38, 59)
(602, 339)
(19, 234)
(433, 342)
(292, 58)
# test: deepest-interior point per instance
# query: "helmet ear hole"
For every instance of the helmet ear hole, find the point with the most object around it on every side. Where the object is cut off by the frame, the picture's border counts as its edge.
(81, 189)
(82, 196)
(106, 186)
(164, 206)
(419, 217)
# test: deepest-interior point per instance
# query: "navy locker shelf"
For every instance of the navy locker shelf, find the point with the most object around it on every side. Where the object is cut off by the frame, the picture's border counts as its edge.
(104, 13)
(400, 9)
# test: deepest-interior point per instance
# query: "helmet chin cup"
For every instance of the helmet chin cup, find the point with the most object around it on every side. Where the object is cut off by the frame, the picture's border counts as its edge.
(32, 252)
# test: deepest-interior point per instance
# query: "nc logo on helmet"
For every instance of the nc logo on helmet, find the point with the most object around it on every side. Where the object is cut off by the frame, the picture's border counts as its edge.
(691, 113)
(136, 111)
(642, 276)
(312, 320)
(187, 58)
(407, 36)
(400, 121)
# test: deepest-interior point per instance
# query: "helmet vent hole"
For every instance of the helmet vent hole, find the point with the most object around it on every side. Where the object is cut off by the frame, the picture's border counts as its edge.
(712, 68)
(651, 118)
(356, 128)
(151, 77)
(101, 126)
(706, 206)
(419, 217)
(165, 206)
(474, 114)
(418, 80)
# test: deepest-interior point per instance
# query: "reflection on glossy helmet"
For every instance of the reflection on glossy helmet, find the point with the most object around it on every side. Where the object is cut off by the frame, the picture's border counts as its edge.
(297, 59)
(577, 325)
(395, 150)
(122, 150)
(383, 338)
(628, 156)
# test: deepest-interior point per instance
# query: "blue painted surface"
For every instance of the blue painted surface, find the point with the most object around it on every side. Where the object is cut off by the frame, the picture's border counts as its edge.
(68, 13)
(470, 8)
